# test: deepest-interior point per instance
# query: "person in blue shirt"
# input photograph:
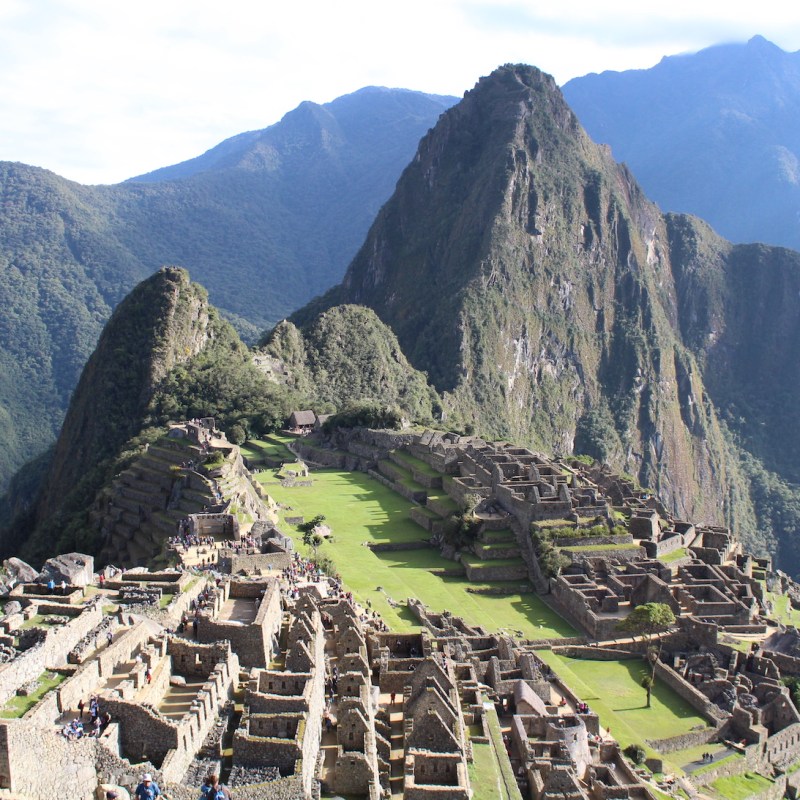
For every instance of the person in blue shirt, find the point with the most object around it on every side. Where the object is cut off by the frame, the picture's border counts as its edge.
(147, 789)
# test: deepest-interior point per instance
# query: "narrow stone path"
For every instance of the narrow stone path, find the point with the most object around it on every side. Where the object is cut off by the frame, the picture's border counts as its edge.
(397, 756)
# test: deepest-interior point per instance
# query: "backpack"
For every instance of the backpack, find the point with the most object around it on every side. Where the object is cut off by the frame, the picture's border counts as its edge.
(209, 793)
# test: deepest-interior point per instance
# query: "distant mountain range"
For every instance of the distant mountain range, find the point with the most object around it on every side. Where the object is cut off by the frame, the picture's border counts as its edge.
(519, 266)
(526, 275)
(716, 134)
(265, 220)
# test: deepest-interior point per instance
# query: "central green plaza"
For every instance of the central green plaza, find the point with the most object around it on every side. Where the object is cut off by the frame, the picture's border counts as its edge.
(359, 510)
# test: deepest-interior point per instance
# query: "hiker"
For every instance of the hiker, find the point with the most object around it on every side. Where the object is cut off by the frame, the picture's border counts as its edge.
(212, 789)
(147, 789)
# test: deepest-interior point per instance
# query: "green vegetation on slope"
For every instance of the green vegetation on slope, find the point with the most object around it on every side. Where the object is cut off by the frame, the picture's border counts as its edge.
(347, 354)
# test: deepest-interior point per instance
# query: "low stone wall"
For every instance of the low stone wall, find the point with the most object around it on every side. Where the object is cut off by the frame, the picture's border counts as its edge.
(51, 652)
(594, 653)
(684, 740)
(591, 541)
(696, 699)
(486, 571)
(390, 547)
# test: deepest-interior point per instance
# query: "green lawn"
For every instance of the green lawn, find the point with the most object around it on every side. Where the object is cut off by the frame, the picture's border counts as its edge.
(18, 705)
(488, 778)
(359, 510)
(740, 786)
(681, 552)
(612, 689)
(782, 610)
(412, 462)
(272, 447)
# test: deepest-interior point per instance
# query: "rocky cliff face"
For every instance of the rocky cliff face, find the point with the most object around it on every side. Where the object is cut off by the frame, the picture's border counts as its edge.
(524, 270)
(163, 322)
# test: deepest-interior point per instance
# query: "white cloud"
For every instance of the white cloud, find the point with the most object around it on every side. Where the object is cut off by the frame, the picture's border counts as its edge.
(100, 91)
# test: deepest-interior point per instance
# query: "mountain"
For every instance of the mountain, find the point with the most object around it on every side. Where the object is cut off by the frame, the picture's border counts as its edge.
(347, 354)
(166, 354)
(715, 133)
(552, 303)
(265, 220)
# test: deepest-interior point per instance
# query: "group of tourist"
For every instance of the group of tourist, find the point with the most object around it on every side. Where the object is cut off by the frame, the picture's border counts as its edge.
(98, 721)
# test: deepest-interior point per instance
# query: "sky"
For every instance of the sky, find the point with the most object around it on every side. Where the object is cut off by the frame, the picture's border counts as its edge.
(100, 91)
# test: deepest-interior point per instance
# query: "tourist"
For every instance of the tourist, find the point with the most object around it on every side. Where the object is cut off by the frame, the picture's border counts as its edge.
(51, 586)
(81, 706)
(147, 789)
(212, 789)
(109, 637)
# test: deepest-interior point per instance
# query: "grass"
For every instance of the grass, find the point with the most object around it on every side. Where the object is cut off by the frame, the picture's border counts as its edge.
(738, 787)
(484, 776)
(698, 773)
(613, 690)
(782, 610)
(360, 510)
(598, 547)
(38, 621)
(675, 555)
(416, 464)
(505, 782)
(166, 599)
(272, 447)
(19, 705)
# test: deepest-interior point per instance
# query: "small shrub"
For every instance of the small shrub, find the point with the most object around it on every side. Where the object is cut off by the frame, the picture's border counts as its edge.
(635, 753)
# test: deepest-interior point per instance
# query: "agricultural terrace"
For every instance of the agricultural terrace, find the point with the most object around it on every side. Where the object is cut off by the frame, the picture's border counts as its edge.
(360, 510)
(613, 690)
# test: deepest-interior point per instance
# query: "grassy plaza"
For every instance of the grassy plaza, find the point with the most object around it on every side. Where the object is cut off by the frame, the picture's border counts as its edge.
(360, 510)
(613, 690)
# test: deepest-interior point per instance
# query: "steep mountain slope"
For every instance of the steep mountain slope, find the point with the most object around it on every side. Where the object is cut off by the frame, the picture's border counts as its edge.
(715, 133)
(347, 354)
(525, 271)
(263, 220)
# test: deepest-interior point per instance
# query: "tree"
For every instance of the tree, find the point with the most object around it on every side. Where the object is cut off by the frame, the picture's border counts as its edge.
(645, 621)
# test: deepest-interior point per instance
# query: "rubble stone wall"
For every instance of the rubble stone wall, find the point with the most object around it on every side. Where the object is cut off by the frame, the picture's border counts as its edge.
(51, 652)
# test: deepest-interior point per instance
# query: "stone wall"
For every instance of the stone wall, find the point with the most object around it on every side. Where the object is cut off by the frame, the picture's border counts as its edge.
(696, 699)
(252, 563)
(52, 768)
(51, 652)
(253, 642)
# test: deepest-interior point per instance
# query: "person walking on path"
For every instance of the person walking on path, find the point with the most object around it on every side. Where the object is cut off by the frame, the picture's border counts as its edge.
(147, 789)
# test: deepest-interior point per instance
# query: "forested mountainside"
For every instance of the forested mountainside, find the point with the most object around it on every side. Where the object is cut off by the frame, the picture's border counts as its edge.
(525, 271)
(265, 220)
(713, 133)
(166, 354)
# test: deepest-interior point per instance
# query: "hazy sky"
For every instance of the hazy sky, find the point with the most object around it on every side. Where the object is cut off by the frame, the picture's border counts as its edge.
(99, 91)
